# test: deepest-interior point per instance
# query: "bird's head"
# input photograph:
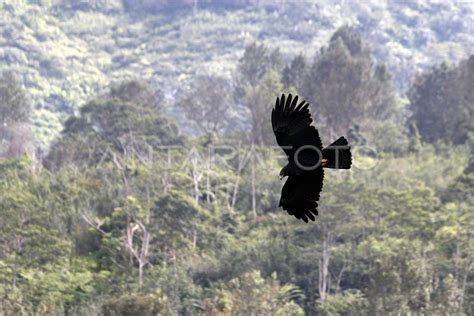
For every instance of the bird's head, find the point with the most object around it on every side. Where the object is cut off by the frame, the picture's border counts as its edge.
(283, 173)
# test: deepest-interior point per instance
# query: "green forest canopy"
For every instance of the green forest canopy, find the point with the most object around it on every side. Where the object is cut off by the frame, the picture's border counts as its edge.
(67, 51)
(108, 221)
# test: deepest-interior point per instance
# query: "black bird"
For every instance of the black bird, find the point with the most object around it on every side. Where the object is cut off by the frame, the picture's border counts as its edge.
(306, 157)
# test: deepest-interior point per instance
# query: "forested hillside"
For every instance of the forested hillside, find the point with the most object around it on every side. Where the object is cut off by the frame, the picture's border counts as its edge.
(68, 51)
(139, 170)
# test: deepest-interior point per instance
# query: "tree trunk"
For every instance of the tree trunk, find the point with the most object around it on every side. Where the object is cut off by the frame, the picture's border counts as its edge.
(208, 181)
(196, 179)
(18, 249)
(324, 267)
(254, 194)
(194, 238)
(240, 167)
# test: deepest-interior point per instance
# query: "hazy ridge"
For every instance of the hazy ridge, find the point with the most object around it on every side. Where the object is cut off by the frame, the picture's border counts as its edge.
(66, 53)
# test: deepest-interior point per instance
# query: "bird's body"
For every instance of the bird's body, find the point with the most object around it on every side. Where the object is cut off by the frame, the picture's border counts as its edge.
(306, 157)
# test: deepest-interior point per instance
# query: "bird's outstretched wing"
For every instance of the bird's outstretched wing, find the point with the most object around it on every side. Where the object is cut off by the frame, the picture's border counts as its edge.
(291, 124)
(300, 194)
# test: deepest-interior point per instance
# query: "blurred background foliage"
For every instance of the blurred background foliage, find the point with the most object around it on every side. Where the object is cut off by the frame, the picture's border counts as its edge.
(139, 174)
(69, 51)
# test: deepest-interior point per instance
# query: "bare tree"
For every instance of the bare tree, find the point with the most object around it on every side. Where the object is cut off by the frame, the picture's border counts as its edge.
(139, 253)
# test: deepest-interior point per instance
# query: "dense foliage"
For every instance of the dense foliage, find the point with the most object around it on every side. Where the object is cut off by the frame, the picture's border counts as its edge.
(434, 91)
(131, 213)
(68, 51)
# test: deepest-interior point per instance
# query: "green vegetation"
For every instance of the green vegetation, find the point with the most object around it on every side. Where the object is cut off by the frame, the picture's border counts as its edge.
(151, 200)
(431, 94)
(69, 51)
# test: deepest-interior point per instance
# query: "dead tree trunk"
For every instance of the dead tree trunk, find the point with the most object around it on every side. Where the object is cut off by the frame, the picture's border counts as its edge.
(254, 193)
(142, 254)
(323, 282)
(242, 161)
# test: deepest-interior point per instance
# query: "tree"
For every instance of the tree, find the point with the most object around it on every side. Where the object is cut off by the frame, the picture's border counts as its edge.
(350, 302)
(255, 62)
(14, 104)
(170, 220)
(344, 87)
(396, 270)
(295, 72)
(257, 80)
(139, 93)
(138, 304)
(115, 124)
(15, 111)
(208, 103)
(455, 236)
(442, 102)
(259, 101)
(35, 246)
(250, 294)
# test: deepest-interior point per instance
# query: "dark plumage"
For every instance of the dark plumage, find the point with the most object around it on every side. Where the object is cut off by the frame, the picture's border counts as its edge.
(306, 157)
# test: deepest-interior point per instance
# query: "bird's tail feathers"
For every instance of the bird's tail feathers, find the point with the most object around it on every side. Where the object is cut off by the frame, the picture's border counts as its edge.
(338, 154)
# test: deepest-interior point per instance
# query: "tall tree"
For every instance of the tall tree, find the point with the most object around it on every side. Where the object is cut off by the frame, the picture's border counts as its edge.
(343, 85)
(255, 62)
(15, 111)
(257, 83)
(208, 103)
(442, 102)
(259, 101)
(294, 73)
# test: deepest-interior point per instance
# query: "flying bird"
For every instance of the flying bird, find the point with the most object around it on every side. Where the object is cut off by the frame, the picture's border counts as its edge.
(302, 145)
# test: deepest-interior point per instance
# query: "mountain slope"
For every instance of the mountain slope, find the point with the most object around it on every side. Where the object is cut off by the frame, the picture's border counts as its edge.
(67, 55)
